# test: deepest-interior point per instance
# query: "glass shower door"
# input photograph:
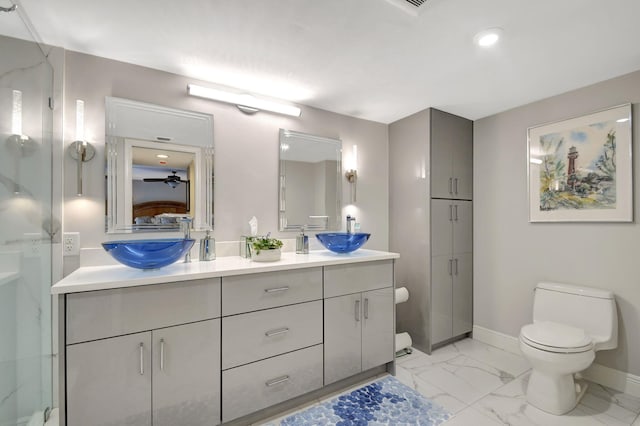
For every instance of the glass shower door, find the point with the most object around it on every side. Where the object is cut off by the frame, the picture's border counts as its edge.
(26, 226)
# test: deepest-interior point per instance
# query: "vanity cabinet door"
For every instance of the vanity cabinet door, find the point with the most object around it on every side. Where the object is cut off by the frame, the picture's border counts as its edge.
(186, 374)
(109, 382)
(441, 298)
(342, 337)
(377, 328)
(462, 294)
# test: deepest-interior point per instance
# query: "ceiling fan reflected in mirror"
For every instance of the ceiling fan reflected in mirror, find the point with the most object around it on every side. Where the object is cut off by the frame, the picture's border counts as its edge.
(172, 180)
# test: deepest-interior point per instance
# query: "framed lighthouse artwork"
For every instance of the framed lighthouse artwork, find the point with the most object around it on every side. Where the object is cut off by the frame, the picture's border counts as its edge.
(580, 168)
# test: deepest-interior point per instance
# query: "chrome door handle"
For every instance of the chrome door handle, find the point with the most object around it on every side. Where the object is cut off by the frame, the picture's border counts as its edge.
(141, 359)
(455, 186)
(276, 290)
(366, 308)
(276, 332)
(277, 381)
(450, 185)
(357, 310)
(161, 354)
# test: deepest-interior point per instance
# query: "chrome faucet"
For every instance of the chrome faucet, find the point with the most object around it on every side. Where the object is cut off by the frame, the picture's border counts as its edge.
(185, 226)
(351, 220)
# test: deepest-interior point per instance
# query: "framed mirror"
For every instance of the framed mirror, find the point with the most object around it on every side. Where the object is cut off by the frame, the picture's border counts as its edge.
(159, 167)
(310, 184)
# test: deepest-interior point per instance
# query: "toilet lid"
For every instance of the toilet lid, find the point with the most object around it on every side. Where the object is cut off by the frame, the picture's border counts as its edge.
(555, 337)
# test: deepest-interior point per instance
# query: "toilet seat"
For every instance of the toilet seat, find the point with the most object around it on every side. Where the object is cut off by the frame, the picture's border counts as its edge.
(555, 337)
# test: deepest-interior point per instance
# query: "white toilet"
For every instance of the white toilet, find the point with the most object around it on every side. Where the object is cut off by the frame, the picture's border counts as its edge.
(570, 323)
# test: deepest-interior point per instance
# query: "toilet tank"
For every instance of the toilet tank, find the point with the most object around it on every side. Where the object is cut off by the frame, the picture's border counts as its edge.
(591, 309)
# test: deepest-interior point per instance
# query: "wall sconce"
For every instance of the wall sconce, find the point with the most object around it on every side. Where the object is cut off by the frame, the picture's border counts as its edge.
(19, 143)
(80, 150)
(245, 102)
(352, 173)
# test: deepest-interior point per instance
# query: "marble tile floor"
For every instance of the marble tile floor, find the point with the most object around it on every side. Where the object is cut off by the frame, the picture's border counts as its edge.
(481, 385)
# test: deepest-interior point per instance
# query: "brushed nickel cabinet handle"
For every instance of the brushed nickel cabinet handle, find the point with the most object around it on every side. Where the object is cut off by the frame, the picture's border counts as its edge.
(450, 185)
(276, 381)
(455, 216)
(357, 310)
(276, 290)
(141, 359)
(456, 266)
(455, 186)
(366, 308)
(276, 332)
(161, 354)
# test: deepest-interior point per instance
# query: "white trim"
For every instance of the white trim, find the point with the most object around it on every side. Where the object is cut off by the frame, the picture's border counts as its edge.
(499, 340)
(606, 376)
(615, 379)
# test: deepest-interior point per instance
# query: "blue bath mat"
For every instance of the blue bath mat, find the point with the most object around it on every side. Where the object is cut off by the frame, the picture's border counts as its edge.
(383, 402)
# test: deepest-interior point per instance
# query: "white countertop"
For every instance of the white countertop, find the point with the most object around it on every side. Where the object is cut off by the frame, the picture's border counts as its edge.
(120, 276)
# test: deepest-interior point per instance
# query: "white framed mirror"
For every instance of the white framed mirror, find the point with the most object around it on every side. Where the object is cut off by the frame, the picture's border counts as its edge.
(310, 183)
(159, 167)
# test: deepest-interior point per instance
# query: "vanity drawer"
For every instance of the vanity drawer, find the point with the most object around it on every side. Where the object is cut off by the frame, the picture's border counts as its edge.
(106, 313)
(356, 277)
(246, 293)
(257, 335)
(259, 385)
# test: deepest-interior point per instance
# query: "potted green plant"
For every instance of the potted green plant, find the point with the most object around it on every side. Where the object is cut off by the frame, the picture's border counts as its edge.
(265, 249)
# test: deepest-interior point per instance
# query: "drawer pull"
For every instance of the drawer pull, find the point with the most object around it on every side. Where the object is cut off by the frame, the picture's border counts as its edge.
(277, 381)
(161, 354)
(141, 359)
(276, 290)
(276, 332)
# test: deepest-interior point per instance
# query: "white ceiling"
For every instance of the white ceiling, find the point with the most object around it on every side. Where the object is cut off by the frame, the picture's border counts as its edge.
(363, 58)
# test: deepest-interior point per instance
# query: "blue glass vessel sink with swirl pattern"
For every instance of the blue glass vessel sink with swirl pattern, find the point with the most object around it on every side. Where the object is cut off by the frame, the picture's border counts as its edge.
(342, 242)
(148, 254)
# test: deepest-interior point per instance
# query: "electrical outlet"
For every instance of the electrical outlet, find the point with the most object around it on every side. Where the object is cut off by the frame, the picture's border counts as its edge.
(71, 244)
(31, 244)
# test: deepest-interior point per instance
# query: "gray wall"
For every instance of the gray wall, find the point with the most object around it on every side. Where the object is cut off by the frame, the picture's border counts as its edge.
(246, 152)
(512, 255)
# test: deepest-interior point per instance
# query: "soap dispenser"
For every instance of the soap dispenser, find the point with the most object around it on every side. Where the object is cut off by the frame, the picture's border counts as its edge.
(302, 243)
(207, 247)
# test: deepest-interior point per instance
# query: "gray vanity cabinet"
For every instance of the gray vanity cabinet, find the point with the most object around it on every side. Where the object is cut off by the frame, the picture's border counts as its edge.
(186, 374)
(452, 148)
(359, 326)
(358, 333)
(147, 355)
(109, 381)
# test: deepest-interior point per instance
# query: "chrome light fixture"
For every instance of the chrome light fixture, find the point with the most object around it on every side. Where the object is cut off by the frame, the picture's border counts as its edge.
(245, 102)
(80, 150)
(352, 173)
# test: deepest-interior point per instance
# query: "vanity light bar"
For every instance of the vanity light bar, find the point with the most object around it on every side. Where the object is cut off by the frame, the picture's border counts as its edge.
(242, 100)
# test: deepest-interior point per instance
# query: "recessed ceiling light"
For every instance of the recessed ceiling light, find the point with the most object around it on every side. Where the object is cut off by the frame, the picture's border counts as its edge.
(488, 37)
(162, 156)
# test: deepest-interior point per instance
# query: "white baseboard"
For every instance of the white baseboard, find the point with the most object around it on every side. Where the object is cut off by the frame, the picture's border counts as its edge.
(497, 339)
(606, 376)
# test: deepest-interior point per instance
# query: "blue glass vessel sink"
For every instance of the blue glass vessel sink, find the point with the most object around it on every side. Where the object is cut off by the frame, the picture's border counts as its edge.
(342, 242)
(148, 254)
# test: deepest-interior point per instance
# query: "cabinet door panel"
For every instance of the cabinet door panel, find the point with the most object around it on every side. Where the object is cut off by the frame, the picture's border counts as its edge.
(441, 302)
(462, 158)
(462, 227)
(104, 384)
(441, 226)
(463, 294)
(441, 155)
(342, 337)
(377, 328)
(186, 374)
